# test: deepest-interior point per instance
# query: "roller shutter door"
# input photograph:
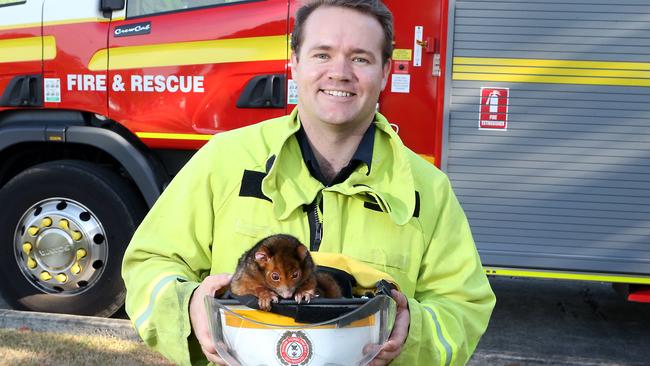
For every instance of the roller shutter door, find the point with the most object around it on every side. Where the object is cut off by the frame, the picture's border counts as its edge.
(567, 185)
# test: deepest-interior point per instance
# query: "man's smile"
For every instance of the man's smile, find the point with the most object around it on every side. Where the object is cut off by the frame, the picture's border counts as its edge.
(337, 93)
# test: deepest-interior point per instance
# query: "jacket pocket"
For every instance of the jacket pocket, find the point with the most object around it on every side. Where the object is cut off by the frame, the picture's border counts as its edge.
(380, 257)
(252, 230)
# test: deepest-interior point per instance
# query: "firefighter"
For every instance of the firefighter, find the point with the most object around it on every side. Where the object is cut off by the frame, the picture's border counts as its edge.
(334, 174)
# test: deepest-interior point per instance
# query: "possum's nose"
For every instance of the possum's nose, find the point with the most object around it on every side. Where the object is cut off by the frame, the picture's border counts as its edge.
(286, 293)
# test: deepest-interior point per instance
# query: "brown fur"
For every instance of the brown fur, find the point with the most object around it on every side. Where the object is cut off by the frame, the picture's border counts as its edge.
(280, 266)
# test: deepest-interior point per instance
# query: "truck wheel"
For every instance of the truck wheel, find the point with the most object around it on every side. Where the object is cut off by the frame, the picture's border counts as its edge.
(64, 227)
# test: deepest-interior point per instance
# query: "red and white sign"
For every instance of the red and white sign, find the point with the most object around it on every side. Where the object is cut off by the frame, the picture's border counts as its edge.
(494, 109)
(400, 67)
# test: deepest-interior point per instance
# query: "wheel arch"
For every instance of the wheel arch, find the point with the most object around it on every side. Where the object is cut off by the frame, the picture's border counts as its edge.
(31, 137)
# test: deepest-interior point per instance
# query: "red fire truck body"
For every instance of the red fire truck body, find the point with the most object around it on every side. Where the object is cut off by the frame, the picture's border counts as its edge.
(102, 102)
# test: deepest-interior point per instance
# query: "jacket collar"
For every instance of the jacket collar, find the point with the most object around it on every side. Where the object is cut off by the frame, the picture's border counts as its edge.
(389, 184)
(363, 154)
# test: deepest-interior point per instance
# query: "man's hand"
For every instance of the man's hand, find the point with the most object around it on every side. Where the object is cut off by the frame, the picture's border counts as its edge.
(393, 346)
(199, 317)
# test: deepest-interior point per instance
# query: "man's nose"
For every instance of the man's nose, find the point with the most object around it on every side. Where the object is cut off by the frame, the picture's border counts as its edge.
(340, 69)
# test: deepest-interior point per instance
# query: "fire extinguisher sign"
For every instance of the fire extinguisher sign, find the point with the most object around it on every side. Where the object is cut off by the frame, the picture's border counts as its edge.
(493, 113)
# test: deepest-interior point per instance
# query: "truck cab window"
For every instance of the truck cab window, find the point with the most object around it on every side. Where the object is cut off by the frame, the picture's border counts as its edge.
(11, 2)
(137, 8)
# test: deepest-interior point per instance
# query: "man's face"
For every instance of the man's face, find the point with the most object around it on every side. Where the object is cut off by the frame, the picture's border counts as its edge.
(339, 70)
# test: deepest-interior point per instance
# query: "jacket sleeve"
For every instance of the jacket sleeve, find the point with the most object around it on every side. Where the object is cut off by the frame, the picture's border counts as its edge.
(167, 258)
(453, 300)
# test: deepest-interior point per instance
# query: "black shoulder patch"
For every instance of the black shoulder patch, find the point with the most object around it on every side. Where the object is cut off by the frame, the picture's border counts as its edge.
(416, 210)
(251, 185)
(269, 163)
(375, 207)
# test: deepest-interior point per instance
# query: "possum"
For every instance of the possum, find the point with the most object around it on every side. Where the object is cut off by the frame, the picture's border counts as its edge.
(279, 266)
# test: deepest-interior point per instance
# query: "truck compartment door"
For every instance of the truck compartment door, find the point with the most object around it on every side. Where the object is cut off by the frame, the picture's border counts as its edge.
(79, 29)
(21, 53)
(178, 68)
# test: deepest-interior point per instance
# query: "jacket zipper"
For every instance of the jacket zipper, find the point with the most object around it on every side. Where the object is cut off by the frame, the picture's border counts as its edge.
(315, 224)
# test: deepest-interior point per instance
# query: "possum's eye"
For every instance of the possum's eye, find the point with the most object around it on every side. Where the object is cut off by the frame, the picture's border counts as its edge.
(275, 276)
(295, 274)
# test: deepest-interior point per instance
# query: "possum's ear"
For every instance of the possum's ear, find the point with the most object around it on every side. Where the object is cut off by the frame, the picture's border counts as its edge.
(302, 252)
(262, 255)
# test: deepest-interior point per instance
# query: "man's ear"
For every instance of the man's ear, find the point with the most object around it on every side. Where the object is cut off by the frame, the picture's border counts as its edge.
(386, 70)
(294, 64)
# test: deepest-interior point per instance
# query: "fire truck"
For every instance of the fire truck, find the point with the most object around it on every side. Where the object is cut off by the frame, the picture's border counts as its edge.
(538, 111)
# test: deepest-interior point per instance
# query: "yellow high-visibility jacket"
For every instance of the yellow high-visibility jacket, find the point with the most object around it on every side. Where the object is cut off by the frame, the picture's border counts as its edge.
(401, 217)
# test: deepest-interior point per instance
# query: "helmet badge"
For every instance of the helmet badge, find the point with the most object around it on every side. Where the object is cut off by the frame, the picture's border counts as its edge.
(294, 348)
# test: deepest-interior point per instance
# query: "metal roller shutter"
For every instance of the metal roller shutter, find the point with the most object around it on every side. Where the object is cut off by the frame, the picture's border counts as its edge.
(567, 185)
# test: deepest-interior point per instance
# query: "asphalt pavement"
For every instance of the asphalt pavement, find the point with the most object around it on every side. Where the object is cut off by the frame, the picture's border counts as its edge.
(551, 322)
(535, 322)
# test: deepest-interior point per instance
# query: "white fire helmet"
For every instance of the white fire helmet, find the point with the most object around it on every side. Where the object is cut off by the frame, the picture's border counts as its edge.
(352, 335)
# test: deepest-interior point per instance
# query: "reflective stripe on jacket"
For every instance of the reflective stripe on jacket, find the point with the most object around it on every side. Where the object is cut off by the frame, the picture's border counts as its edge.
(401, 217)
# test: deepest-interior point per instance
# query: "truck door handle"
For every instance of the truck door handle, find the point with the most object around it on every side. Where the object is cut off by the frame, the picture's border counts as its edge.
(23, 91)
(263, 91)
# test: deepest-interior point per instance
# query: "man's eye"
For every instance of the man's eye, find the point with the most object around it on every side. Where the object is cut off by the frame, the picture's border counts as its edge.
(361, 60)
(321, 56)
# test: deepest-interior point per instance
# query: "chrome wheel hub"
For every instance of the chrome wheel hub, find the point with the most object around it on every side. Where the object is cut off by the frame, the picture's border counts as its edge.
(60, 246)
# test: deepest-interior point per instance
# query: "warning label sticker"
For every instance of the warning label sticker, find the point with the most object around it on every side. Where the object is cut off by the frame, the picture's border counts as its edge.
(52, 90)
(400, 83)
(292, 92)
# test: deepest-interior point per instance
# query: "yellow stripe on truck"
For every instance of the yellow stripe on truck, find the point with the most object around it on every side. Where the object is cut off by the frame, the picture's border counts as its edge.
(58, 22)
(551, 63)
(598, 277)
(192, 53)
(21, 26)
(551, 71)
(173, 136)
(27, 49)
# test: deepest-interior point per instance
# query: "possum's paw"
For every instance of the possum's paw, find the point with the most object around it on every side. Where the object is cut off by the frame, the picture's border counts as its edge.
(305, 295)
(265, 299)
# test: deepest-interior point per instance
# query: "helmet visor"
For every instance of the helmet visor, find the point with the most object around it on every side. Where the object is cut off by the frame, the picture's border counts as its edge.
(244, 336)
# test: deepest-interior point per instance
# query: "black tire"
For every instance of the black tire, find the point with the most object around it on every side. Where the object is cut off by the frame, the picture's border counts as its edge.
(101, 211)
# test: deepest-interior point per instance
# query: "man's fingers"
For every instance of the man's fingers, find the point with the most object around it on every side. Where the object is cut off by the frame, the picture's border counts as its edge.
(399, 298)
(378, 362)
(214, 357)
(393, 346)
(402, 318)
(387, 352)
(390, 350)
(198, 316)
(206, 343)
(371, 348)
(390, 346)
(214, 283)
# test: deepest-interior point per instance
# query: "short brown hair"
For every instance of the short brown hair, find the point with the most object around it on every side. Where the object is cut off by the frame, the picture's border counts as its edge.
(374, 8)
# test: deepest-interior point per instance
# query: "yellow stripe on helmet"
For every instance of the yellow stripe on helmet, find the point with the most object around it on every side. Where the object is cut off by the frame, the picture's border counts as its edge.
(256, 319)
